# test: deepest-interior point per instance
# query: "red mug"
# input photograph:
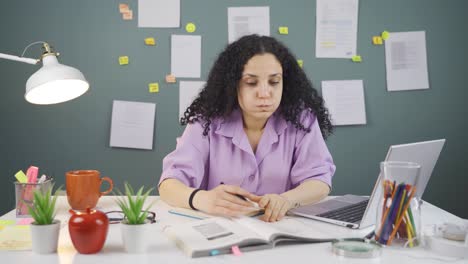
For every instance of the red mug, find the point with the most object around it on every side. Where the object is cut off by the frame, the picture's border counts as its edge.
(83, 188)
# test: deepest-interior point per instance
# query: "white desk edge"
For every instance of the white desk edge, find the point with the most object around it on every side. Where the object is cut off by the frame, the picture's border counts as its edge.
(163, 250)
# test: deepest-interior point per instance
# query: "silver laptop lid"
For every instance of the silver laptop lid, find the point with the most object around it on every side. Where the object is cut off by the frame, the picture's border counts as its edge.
(425, 153)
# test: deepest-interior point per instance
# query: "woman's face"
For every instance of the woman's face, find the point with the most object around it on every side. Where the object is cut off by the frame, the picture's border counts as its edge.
(260, 87)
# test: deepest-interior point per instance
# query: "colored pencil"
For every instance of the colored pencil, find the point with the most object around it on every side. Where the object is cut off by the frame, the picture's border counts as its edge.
(398, 222)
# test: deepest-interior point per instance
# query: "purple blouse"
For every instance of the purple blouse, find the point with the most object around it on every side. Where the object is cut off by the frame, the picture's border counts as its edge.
(285, 156)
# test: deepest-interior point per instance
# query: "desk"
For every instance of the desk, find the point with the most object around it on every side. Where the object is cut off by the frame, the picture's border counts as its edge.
(162, 250)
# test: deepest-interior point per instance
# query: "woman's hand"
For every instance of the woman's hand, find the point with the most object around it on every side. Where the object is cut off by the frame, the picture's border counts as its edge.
(276, 207)
(223, 201)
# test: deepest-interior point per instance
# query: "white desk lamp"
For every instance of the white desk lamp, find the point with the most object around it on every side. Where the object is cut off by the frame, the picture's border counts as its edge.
(54, 82)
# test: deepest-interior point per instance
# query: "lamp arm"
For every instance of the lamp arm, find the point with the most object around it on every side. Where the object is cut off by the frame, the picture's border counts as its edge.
(23, 59)
(16, 58)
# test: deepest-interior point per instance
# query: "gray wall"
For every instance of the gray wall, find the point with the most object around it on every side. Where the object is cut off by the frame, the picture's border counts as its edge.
(91, 35)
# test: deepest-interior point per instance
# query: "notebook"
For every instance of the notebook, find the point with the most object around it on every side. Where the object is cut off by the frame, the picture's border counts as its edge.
(357, 212)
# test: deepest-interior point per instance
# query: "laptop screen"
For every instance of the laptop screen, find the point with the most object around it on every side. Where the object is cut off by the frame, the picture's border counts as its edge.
(425, 153)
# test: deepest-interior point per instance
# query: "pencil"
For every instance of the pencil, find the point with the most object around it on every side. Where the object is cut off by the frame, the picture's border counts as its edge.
(408, 231)
(413, 191)
(378, 235)
(403, 200)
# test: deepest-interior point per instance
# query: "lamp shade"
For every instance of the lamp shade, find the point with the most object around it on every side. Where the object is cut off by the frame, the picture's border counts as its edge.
(55, 83)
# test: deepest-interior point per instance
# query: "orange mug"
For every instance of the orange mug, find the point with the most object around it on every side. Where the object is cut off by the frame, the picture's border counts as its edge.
(83, 188)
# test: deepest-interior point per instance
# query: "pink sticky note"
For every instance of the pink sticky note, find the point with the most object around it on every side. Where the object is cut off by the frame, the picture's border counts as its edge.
(24, 221)
(236, 251)
(127, 15)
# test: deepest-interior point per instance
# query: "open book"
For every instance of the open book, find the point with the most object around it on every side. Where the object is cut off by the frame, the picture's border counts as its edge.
(218, 235)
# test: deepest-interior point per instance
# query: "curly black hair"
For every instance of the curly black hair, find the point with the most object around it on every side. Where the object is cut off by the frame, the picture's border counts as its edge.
(218, 98)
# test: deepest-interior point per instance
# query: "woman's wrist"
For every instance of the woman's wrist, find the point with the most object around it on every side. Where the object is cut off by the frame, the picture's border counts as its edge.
(192, 198)
(292, 204)
(197, 200)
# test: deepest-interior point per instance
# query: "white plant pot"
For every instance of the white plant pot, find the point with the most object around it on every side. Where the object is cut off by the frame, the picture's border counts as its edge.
(135, 237)
(45, 237)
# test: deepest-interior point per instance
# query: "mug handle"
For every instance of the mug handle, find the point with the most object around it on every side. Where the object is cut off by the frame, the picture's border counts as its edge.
(111, 185)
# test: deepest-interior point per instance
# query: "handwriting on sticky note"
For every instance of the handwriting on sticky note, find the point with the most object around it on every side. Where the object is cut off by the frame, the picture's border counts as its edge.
(15, 238)
(150, 41)
(377, 40)
(301, 63)
(170, 78)
(153, 87)
(21, 177)
(385, 35)
(283, 30)
(123, 8)
(190, 27)
(123, 60)
(127, 15)
(236, 251)
(356, 58)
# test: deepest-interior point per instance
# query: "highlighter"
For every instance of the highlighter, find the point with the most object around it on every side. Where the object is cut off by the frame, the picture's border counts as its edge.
(31, 173)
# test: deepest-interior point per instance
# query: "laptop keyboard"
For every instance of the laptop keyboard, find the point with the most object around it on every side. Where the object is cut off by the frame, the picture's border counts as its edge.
(351, 214)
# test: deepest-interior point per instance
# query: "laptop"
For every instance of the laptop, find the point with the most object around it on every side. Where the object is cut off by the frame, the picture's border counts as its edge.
(359, 212)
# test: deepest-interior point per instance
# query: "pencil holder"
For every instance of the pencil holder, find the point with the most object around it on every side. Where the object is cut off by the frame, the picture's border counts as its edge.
(24, 193)
(398, 221)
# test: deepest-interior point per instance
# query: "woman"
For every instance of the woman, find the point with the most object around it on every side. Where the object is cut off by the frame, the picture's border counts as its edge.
(255, 131)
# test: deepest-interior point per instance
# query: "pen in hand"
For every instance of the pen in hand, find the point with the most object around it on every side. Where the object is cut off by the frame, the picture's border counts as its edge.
(238, 195)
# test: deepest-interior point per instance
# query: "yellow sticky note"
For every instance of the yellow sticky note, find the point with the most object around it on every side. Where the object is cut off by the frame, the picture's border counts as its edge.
(127, 15)
(190, 27)
(7, 222)
(123, 8)
(16, 238)
(170, 78)
(283, 30)
(21, 177)
(123, 60)
(153, 87)
(150, 41)
(356, 58)
(301, 63)
(377, 40)
(385, 35)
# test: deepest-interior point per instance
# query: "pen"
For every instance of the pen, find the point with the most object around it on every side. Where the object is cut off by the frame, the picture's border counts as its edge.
(186, 215)
(42, 179)
(236, 194)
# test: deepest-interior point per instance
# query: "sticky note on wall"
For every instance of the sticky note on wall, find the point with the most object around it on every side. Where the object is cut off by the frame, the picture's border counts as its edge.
(123, 8)
(170, 78)
(356, 58)
(377, 40)
(153, 87)
(190, 27)
(150, 41)
(301, 63)
(123, 60)
(385, 35)
(127, 15)
(283, 30)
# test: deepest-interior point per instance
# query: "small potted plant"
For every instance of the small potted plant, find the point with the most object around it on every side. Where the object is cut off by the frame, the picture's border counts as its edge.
(45, 228)
(135, 224)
